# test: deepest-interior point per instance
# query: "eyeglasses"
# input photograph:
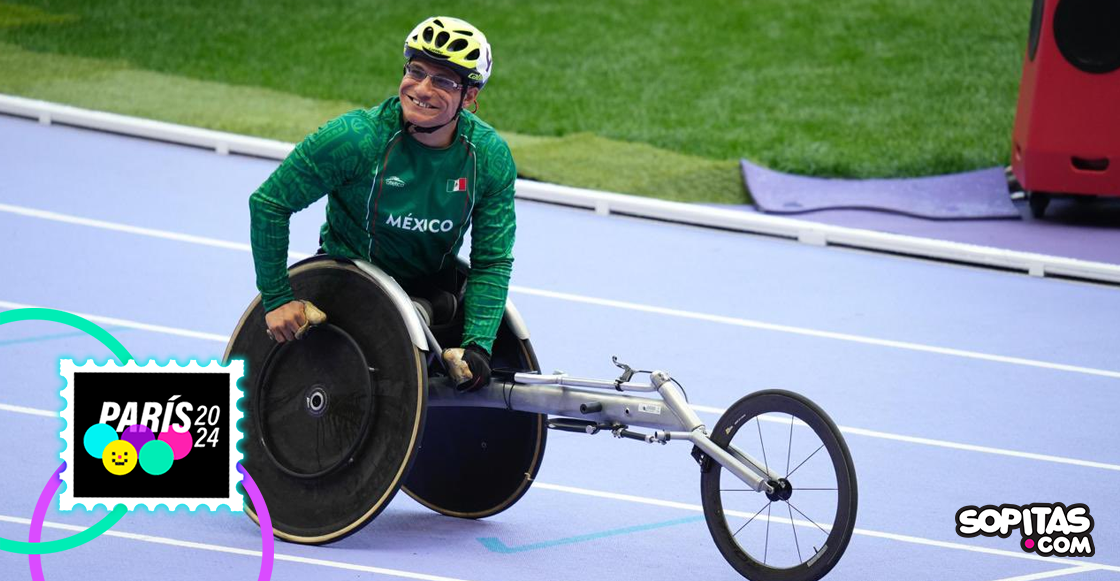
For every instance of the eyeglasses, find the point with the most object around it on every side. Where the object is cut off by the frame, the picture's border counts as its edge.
(442, 83)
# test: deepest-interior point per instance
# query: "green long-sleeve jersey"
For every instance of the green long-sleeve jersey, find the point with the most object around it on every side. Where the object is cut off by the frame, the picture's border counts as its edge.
(398, 204)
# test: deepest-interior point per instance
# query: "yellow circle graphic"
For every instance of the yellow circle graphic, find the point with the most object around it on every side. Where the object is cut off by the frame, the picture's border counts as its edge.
(119, 457)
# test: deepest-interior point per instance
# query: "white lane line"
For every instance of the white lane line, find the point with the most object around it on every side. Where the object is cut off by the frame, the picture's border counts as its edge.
(7, 305)
(848, 430)
(705, 409)
(116, 227)
(1054, 573)
(243, 552)
(734, 321)
(857, 530)
(571, 490)
(29, 411)
(974, 448)
(752, 324)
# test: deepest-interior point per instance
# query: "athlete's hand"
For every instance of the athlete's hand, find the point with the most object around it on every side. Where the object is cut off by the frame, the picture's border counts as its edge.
(284, 321)
(469, 367)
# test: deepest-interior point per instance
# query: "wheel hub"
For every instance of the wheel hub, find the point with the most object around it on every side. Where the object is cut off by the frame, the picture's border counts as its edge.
(316, 401)
(783, 490)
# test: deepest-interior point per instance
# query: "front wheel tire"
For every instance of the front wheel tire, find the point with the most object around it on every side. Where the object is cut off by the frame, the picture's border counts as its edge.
(800, 531)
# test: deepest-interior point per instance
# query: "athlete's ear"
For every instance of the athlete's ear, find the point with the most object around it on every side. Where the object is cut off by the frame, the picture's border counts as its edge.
(471, 99)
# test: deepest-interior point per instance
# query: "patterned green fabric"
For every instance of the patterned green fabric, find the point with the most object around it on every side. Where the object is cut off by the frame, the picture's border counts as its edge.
(398, 204)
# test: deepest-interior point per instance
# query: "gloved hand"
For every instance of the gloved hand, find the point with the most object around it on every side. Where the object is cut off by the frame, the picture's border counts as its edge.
(469, 367)
(292, 320)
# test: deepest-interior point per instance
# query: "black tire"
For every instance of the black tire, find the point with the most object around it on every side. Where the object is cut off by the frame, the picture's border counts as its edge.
(1038, 202)
(309, 503)
(818, 562)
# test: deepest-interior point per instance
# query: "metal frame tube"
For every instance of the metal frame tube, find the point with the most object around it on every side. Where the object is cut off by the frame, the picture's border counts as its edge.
(568, 381)
(751, 462)
(744, 471)
(674, 397)
(555, 399)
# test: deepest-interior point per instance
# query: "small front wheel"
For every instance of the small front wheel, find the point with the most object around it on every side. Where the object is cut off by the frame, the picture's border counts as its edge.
(799, 531)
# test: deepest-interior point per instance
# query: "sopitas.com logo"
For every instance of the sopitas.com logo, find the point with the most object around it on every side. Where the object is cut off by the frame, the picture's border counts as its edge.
(1046, 529)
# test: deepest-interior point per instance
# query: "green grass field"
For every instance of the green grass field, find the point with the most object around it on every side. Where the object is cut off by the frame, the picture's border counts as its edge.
(651, 98)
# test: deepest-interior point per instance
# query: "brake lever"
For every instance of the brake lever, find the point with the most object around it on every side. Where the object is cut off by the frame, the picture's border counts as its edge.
(627, 373)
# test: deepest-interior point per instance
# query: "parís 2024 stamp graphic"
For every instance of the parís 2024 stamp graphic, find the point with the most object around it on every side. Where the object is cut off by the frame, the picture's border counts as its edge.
(146, 435)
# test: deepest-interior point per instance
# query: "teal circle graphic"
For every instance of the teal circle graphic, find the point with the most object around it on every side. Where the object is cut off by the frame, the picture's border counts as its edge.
(156, 457)
(97, 437)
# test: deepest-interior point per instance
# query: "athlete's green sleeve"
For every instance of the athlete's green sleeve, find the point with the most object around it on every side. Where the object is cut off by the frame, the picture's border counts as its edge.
(493, 226)
(326, 159)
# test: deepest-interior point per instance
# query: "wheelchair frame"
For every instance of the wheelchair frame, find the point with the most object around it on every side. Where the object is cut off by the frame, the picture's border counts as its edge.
(597, 409)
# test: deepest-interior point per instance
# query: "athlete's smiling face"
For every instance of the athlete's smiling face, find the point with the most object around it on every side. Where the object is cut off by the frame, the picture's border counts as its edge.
(427, 105)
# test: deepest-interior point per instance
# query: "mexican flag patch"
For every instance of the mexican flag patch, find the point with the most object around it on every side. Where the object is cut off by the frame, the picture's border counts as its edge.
(459, 185)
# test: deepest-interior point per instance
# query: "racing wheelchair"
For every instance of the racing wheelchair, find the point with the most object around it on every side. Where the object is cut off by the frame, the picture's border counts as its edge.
(362, 407)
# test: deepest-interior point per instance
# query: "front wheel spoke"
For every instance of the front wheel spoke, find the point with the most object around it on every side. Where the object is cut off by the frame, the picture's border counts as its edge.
(766, 549)
(799, 488)
(804, 461)
(789, 450)
(806, 517)
(795, 542)
(752, 518)
(765, 462)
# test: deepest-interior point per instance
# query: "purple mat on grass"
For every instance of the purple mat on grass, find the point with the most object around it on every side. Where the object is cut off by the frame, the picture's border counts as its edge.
(962, 196)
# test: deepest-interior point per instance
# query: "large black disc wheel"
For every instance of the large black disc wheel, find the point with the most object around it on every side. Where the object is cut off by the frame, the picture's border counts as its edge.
(477, 462)
(799, 531)
(332, 421)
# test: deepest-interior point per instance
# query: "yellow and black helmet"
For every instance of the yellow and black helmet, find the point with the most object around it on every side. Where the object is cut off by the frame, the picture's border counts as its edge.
(453, 43)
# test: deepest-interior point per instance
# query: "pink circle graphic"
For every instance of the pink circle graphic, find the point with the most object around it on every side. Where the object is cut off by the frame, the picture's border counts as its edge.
(1029, 543)
(268, 544)
(268, 548)
(137, 435)
(180, 442)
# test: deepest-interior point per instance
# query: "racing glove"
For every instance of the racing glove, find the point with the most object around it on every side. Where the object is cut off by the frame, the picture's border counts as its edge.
(469, 367)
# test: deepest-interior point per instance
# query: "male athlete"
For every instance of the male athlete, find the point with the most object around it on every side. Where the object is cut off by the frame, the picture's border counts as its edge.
(404, 180)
